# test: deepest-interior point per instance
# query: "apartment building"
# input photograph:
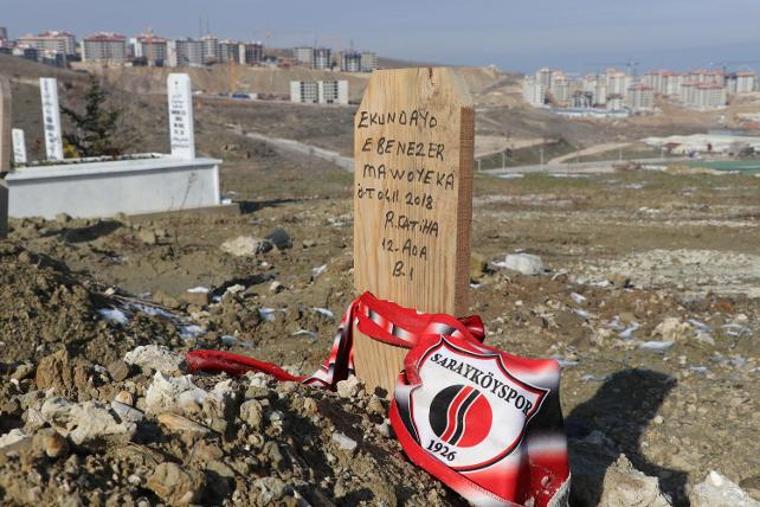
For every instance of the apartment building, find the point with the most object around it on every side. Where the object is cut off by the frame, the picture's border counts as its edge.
(534, 92)
(709, 96)
(332, 92)
(560, 89)
(189, 52)
(322, 58)
(151, 48)
(231, 52)
(105, 48)
(304, 55)
(254, 53)
(614, 102)
(544, 77)
(319, 92)
(306, 92)
(741, 82)
(211, 50)
(368, 61)
(618, 82)
(641, 97)
(351, 61)
(50, 42)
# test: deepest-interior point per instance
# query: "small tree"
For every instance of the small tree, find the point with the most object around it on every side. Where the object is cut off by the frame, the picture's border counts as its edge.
(95, 129)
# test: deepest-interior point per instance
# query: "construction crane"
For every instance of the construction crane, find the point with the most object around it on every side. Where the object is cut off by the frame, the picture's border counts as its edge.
(725, 64)
(631, 65)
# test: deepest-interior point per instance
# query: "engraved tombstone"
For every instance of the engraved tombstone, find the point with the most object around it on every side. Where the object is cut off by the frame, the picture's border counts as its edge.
(179, 91)
(51, 118)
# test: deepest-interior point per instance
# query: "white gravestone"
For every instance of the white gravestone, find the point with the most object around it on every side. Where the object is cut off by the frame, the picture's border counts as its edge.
(19, 146)
(5, 156)
(51, 118)
(179, 92)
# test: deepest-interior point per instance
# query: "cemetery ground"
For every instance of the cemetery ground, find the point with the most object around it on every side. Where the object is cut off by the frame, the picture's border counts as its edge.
(648, 297)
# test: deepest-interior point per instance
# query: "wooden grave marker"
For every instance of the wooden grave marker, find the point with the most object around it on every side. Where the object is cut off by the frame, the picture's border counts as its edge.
(413, 156)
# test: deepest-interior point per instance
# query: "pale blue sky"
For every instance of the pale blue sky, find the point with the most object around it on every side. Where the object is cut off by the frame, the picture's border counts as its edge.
(519, 35)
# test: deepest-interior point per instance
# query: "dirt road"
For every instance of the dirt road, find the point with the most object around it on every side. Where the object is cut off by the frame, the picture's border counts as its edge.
(591, 150)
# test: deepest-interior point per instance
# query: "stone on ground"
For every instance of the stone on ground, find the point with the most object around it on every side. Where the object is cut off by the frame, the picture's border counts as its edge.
(243, 246)
(175, 485)
(718, 491)
(527, 264)
(624, 486)
(672, 329)
(84, 422)
(280, 238)
(155, 358)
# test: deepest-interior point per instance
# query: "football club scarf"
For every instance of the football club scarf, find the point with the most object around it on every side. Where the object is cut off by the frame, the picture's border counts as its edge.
(486, 423)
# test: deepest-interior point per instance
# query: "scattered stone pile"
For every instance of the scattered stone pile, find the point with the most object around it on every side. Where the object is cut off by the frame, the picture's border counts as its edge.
(156, 435)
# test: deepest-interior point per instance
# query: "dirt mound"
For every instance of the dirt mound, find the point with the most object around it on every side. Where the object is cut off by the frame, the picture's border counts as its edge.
(155, 437)
(46, 307)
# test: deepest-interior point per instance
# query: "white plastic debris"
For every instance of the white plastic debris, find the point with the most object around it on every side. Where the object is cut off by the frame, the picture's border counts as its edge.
(527, 264)
(581, 313)
(627, 333)
(325, 312)
(577, 298)
(301, 332)
(114, 315)
(656, 346)
(190, 331)
(344, 442)
(269, 314)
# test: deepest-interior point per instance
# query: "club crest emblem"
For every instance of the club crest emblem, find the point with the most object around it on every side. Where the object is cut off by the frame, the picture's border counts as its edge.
(469, 411)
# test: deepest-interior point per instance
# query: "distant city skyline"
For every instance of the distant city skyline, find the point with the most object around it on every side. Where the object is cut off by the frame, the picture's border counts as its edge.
(579, 36)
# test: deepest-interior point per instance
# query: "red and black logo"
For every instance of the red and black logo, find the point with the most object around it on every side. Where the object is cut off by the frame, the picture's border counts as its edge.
(460, 415)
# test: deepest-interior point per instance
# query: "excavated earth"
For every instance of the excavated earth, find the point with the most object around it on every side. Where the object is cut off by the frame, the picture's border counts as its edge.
(648, 298)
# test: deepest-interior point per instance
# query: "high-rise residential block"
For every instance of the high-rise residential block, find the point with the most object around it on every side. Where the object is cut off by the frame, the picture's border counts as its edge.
(105, 48)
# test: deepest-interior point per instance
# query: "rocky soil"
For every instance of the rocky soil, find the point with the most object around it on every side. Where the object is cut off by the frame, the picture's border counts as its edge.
(652, 314)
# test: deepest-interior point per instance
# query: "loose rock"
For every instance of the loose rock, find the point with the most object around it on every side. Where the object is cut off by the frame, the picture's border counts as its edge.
(718, 491)
(155, 357)
(252, 412)
(672, 329)
(84, 422)
(175, 485)
(350, 387)
(178, 424)
(118, 370)
(243, 246)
